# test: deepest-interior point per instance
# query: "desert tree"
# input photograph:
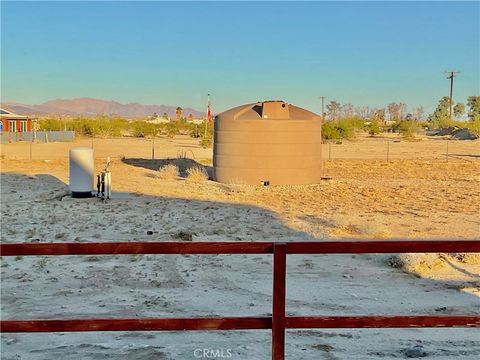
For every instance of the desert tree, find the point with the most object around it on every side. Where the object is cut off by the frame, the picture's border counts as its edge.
(392, 111)
(178, 113)
(378, 115)
(364, 112)
(165, 116)
(473, 103)
(402, 109)
(441, 115)
(333, 110)
(418, 113)
(459, 109)
(347, 111)
(396, 111)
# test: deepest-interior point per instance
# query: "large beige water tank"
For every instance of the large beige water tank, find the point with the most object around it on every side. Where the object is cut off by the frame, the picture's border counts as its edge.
(270, 141)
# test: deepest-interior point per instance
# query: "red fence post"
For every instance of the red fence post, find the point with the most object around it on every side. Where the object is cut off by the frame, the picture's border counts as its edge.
(278, 311)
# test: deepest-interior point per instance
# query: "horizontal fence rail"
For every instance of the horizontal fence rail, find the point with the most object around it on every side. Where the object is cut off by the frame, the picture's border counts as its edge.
(324, 247)
(278, 321)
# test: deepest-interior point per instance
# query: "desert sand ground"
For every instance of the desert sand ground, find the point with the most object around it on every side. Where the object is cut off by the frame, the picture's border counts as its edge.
(417, 194)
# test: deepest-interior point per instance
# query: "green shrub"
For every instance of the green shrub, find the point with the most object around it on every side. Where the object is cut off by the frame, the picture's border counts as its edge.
(116, 126)
(474, 126)
(206, 142)
(374, 128)
(330, 131)
(100, 126)
(143, 129)
(206, 135)
(408, 128)
(341, 129)
(52, 125)
(441, 123)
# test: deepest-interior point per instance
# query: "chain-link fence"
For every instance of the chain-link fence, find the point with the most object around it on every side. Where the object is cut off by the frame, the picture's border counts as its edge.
(36, 136)
(381, 149)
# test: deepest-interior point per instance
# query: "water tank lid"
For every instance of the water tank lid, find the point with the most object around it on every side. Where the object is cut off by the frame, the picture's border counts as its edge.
(268, 110)
(81, 148)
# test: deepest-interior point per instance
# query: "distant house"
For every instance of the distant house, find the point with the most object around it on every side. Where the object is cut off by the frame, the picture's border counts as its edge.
(158, 120)
(11, 122)
(196, 121)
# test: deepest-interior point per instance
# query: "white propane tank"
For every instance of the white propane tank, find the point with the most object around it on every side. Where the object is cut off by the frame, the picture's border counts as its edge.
(108, 184)
(81, 172)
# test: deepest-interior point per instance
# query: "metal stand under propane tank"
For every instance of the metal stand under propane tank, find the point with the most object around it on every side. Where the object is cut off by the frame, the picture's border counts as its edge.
(104, 182)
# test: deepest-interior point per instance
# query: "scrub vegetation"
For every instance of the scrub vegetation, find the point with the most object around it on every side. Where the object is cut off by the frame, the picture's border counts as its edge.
(113, 126)
(341, 122)
(344, 121)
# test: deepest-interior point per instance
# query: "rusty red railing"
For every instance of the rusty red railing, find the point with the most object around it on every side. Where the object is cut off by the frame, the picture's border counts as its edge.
(278, 322)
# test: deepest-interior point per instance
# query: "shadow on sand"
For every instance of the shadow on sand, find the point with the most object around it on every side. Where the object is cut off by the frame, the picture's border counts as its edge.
(170, 218)
(183, 164)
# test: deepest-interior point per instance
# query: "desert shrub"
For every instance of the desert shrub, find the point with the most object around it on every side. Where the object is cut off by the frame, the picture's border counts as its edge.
(374, 128)
(176, 128)
(441, 123)
(468, 258)
(99, 126)
(474, 126)
(425, 263)
(51, 125)
(169, 172)
(206, 137)
(114, 126)
(408, 128)
(143, 129)
(237, 182)
(374, 230)
(206, 142)
(186, 128)
(341, 129)
(172, 129)
(417, 262)
(197, 174)
(195, 131)
(347, 128)
(330, 131)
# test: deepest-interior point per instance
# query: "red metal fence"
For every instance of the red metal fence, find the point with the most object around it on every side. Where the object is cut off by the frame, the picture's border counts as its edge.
(278, 322)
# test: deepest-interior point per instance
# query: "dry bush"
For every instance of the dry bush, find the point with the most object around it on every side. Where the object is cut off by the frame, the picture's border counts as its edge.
(197, 174)
(417, 262)
(426, 263)
(340, 221)
(237, 181)
(468, 258)
(374, 230)
(169, 172)
(236, 185)
(344, 225)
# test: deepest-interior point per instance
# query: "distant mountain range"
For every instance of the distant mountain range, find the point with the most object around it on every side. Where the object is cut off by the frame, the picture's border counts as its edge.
(93, 107)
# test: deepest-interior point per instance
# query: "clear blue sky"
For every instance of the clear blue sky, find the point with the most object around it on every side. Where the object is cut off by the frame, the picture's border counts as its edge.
(365, 53)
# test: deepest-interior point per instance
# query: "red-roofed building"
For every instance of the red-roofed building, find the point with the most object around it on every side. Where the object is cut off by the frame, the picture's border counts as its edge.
(11, 122)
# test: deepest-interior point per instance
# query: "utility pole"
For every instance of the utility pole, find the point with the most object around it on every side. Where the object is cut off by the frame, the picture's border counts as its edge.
(323, 107)
(451, 75)
(209, 115)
